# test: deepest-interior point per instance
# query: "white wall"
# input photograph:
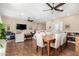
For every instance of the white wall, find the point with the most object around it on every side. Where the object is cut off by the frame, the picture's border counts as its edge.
(73, 21)
(13, 21)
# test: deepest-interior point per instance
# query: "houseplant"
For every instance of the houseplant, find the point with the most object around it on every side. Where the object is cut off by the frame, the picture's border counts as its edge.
(2, 38)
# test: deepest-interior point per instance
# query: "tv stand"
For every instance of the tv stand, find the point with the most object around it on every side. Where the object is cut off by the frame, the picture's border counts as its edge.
(28, 36)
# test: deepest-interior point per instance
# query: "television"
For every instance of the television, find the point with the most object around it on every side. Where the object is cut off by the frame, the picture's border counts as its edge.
(21, 26)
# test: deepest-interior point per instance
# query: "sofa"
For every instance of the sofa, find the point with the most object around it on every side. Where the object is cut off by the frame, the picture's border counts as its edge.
(10, 35)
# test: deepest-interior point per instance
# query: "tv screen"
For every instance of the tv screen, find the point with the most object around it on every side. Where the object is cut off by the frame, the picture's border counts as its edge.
(21, 26)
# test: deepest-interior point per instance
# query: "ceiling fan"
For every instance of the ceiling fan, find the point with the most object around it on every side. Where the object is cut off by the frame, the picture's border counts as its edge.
(29, 19)
(56, 8)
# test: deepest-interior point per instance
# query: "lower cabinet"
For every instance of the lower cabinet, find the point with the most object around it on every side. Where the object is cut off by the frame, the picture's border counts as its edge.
(19, 37)
(77, 45)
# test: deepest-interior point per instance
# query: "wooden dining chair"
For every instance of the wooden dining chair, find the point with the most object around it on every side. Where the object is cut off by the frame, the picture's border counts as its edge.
(39, 42)
(56, 45)
(63, 40)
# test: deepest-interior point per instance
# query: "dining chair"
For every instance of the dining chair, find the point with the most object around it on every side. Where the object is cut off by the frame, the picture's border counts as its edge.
(56, 45)
(47, 33)
(63, 40)
(39, 41)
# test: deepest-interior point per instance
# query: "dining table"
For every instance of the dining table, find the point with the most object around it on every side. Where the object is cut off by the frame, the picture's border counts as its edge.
(48, 39)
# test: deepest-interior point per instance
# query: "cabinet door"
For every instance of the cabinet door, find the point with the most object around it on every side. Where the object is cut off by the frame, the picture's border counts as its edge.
(77, 49)
(77, 46)
(77, 41)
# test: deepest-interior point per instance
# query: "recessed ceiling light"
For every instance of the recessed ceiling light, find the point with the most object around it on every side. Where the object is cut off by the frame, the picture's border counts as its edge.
(22, 14)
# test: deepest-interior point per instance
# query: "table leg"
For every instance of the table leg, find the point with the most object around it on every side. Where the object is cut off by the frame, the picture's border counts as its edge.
(48, 48)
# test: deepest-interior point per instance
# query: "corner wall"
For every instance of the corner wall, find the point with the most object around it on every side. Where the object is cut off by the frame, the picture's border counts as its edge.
(73, 21)
(11, 22)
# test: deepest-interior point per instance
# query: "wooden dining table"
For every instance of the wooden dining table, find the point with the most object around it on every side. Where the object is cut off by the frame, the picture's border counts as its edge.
(48, 39)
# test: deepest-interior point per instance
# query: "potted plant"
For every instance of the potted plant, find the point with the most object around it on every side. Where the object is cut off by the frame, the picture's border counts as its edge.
(2, 39)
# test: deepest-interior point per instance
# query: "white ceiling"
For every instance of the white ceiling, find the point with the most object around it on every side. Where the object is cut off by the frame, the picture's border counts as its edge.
(36, 10)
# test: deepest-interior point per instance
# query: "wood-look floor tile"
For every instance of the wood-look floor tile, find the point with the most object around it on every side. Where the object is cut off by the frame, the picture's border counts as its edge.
(28, 48)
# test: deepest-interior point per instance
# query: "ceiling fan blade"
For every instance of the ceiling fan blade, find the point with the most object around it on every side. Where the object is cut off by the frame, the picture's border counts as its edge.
(61, 4)
(46, 10)
(59, 10)
(53, 5)
(49, 6)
